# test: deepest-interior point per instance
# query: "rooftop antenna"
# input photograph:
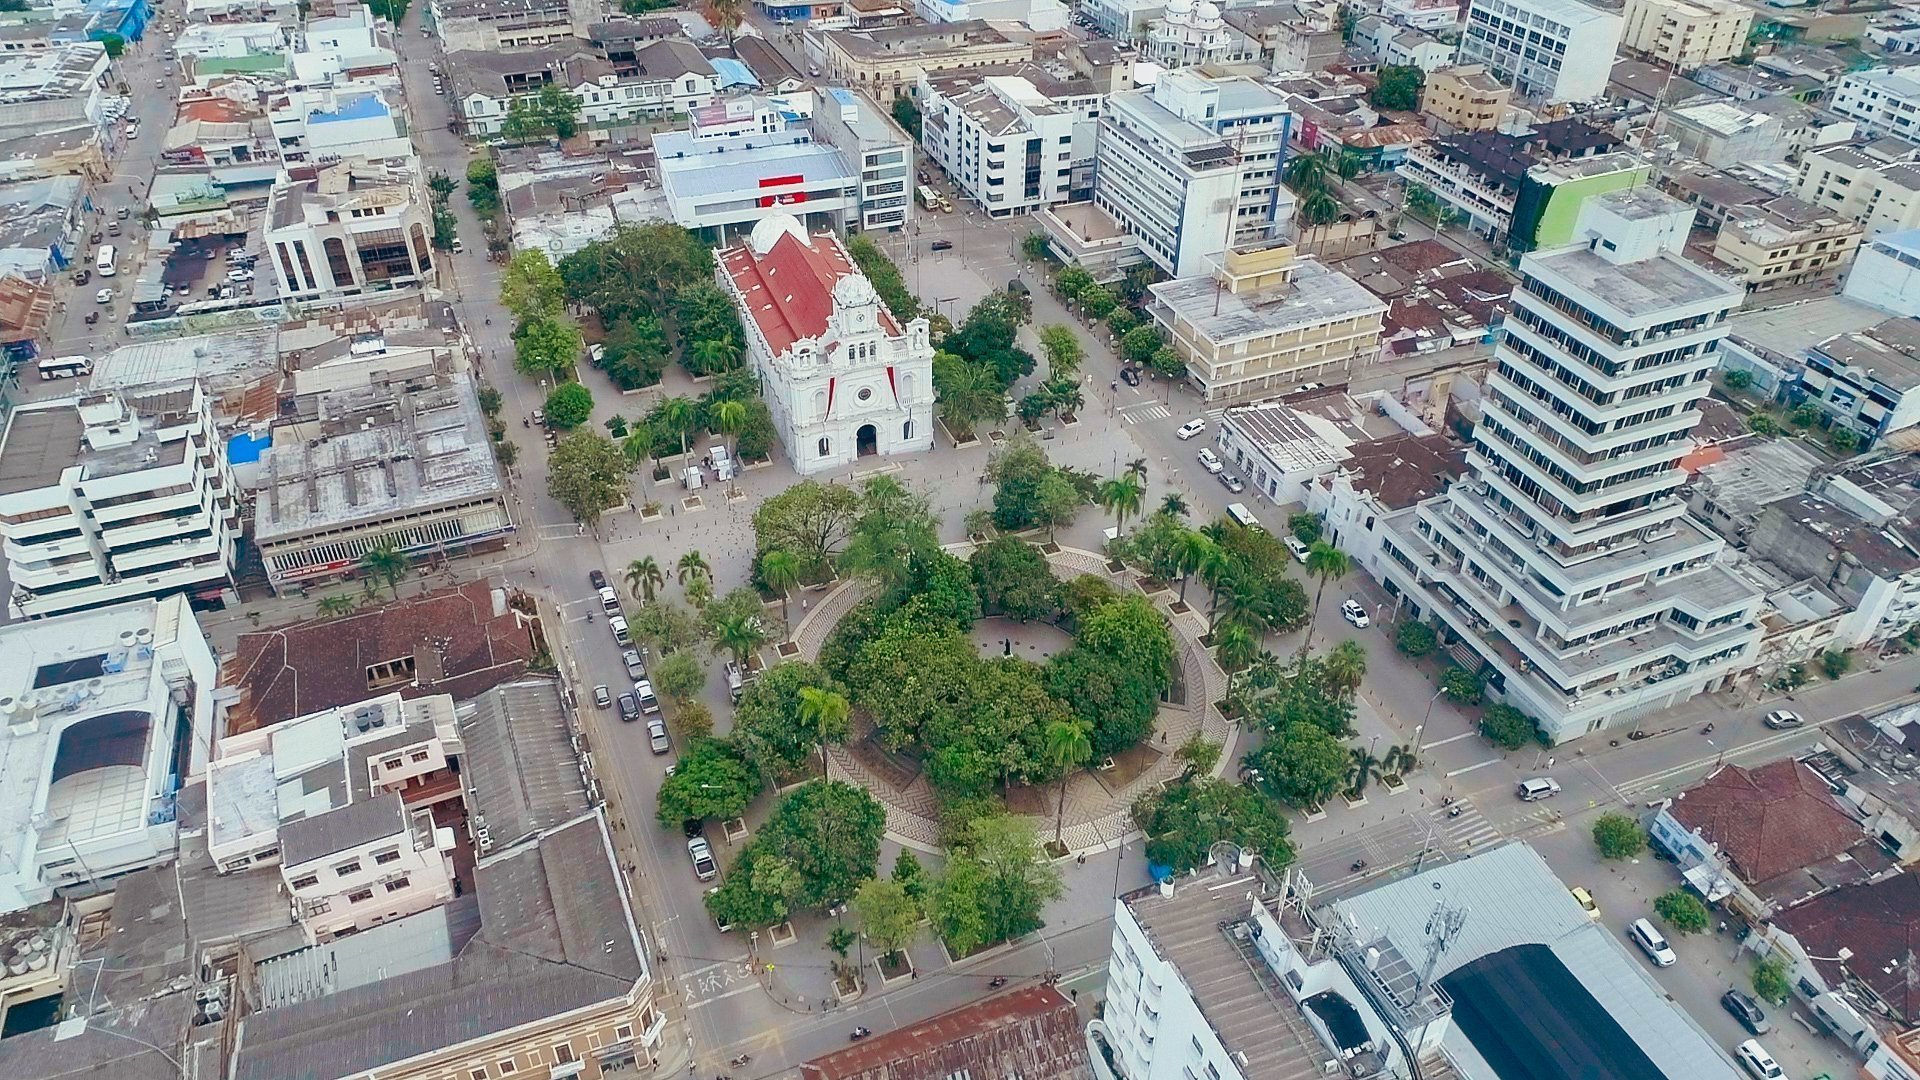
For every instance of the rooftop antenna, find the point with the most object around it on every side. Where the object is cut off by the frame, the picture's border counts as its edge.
(1443, 926)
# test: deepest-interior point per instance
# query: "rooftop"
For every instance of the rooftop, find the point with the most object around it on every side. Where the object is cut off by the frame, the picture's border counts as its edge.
(1789, 330)
(520, 761)
(1033, 1033)
(1296, 441)
(1637, 292)
(1887, 353)
(1879, 923)
(1768, 821)
(305, 839)
(788, 281)
(1402, 470)
(1315, 296)
(916, 41)
(41, 74)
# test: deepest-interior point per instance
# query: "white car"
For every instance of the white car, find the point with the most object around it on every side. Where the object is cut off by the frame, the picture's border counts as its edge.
(239, 274)
(133, 131)
(1209, 460)
(1296, 546)
(1653, 944)
(104, 296)
(1189, 429)
(1780, 719)
(1351, 611)
(701, 853)
(1754, 1058)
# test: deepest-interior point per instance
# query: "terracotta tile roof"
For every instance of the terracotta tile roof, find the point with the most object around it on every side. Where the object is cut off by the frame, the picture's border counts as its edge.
(789, 290)
(456, 640)
(1404, 469)
(1768, 821)
(1879, 923)
(1033, 1033)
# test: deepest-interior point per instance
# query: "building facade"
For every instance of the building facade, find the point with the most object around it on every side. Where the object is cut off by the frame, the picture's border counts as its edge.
(113, 497)
(1882, 101)
(1786, 242)
(1009, 146)
(1876, 184)
(1886, 273)
(350, 228)
(888, 62)
(1551, 50)
(1465, 97)
(1686, 34)
(1567, 566)
(666, 77)
(1867, 382)
(1192, 32)
(842, 376)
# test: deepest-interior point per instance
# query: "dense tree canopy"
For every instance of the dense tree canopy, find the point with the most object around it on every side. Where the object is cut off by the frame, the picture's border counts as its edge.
(1184, 820)
(587, 474)
(711, 780)
(995, 884)
(1014, 579)
(767, 723)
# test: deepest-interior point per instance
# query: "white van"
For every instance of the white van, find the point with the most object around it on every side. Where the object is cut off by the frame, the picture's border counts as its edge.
(1540, 787)
(1653, 943)
(103, 261)
(1240, 513)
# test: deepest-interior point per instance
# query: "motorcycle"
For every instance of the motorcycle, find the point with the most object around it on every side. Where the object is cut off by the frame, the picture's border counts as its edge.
(996, 982)
(1446, 800)
(1456, 811)
(1358, 865)
(589, 616)
(741, 1060)
(525, 423)
(1708, 730)
(858, 1034)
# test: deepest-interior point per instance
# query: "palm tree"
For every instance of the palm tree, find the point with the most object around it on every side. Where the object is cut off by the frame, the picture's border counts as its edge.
(822, 709)
(1365, 767)
(638, 447)
(1345, 666)
(780, 569)
(677, 414)
(729, 417)
(1174, 505)
(644, 578)
(1068, 747)
(1305, 173)
(716, 354)
(1137, 468)
(386, 562)
(693, 566)
(1400, 760)
(1317, 208)
(1216, 569)
(1235, 647)
(969, 395)
(1122, 496)
(1324, 561)
(739, 634)
(338, 604)
(1344, 163)
(1191, 551)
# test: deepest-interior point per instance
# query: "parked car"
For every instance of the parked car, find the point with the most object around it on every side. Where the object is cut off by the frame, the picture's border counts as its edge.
(1654, 944)
(597, 579)
(1232, 483)
(629, 708)
(1754, 1058)
(736, 682)
(643, 690)
(603, 697)
(104, 296)
(1130, 375)
(619, 627)
(1296, 546)
(238, 274)
(635, 668)
(1189, 429)
(1780, 719)
(1585, 899)
(701, 853)
(1209, 460)
(943, 245)
(81, 277)
(1540, 787)
(657, 736)
(1351, 611)
(1747, 1011)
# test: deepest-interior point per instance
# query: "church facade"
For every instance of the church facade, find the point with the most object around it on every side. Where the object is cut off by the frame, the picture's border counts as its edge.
(842, 377)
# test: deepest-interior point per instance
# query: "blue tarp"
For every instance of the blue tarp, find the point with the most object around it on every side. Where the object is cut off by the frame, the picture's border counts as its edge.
(244, 449)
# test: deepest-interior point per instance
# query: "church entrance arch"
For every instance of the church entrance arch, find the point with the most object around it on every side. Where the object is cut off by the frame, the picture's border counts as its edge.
(867, 439)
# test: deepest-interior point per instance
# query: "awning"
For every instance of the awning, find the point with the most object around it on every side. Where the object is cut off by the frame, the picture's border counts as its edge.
(1709, 882)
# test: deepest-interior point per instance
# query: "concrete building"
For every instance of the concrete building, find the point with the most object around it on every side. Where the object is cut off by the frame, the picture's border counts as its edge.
(1883, 101)
(1527, 188)
(1432, 16)
(1465, 97)
(1122, 20)
(1868, 381)
(1876, 183)
(492, 25)
(1568, 568)
(1785, 242)
(667, 77)
(1191, 166)
(1379, 478)
(103, 716)
(842, 376)
(116, 496)
(1288, 40)
(350, 228)
(1192, 32)
(887, 62)
(325, 124)
(1551, 50)
(1686, 34)
(1401, 46)
(1011, 146)
(1886, 273)
(1266, 322)
(877, 147)
(1728, 133)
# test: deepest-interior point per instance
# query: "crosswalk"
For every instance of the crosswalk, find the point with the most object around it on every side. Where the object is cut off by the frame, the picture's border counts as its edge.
(1135, 414)
(1466, 831)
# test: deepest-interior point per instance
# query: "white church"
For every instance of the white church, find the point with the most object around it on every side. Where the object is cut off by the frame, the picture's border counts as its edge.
(843, 379)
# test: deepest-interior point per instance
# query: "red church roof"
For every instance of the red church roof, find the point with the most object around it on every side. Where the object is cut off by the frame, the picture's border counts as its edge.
(789, 290)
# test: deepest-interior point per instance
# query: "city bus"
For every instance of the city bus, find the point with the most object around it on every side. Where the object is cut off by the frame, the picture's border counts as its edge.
(926, 197)
(65, 367)
(103, 261)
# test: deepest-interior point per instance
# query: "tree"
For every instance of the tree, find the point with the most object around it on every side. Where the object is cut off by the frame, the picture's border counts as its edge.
(569, 405)
(780, 569)
(729, 417)
(1139, 344)
(1123, 496)
(968, 393)
(1057, 503)
(666, 627)
(386, 562)
(546, 346)
(767, 723)
(1072, 281)
(760, 892)
(911, 876)
(1063, 350)
(1013, 578)
(1683, 911)
(1843, 439)
(1317, 207)
(1120, 320)
(824, 711)
(994, 886)
(1067, 748)
(1362, 768)
(483, 187)
(1618, 836)
(634, 354)
(711, 780)
(1835, 663)
(587, 474)
(907, 115)
(739, 633)
(1303, 767)
(1189, 816)
(1098, 302)
(1235, 647)
(1305, 173)
(1763, 424)
(1415, 638)
(1770, 980)
(530, 287)
(644, 578)
(812, 519)
(1738, 379)
(830, 832)
(1343, 669)
(1507, 727)
(889, 916)
(1398, 88)
(337, 604)
(1305, 527)
(1324, 562)
(1461, 686)
(885, 276)
(680, 677)
(114, 45)
(1805, 415)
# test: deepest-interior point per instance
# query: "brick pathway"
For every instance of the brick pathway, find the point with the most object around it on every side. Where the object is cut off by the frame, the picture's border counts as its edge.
(1096, 817)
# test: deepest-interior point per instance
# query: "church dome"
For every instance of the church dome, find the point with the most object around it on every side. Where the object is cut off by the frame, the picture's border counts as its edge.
(1206, 11)
(771, 228)
(854, 290)
(1179, 8)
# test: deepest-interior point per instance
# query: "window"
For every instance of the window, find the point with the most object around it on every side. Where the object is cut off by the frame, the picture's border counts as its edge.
(562, 1053)
(825, 444)
(382, 858)
(906, 430)
(347, 869)
(359, 896)
(390, 763)
(477, 1074)
(624, 1031)
(307, 882)
(506, 1066)
(418, 756)
(396, 884)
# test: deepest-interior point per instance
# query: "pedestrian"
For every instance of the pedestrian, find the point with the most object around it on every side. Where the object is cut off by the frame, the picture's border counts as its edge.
(1081, 858)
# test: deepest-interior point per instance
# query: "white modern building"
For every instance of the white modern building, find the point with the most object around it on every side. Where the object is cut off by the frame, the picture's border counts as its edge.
(1883, 101)
(1886, 273)
(103, 716)
(842, 376)
(116, 496)
(349, 228)
(1430, 15)
(1191, 166)
(1010, 146)
(1876, 184)
(1567, 566)
(1551, 50)
(323, 124)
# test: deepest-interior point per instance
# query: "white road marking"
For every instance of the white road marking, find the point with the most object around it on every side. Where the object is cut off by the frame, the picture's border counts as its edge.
(1451, 738)
(1476, 765)
(735, 992)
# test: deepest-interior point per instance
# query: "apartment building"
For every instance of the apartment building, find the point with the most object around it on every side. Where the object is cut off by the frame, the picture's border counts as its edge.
(349, 228)
(1686, 34)
(1523, 188)
(1191, 166)
(1786, 242)
(1567, 568)
(1465, 97)
(1266, 322)
(103, 714)
(489, 25)
(868, 137)
(115, 496)
(1875, 183)
(1886, 273)
(1883, 101)
(1432, 16)
(889, 62)
(1551, 50)
(666, 77)
(1867, 381)
(1012, 146)
(323, 123)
